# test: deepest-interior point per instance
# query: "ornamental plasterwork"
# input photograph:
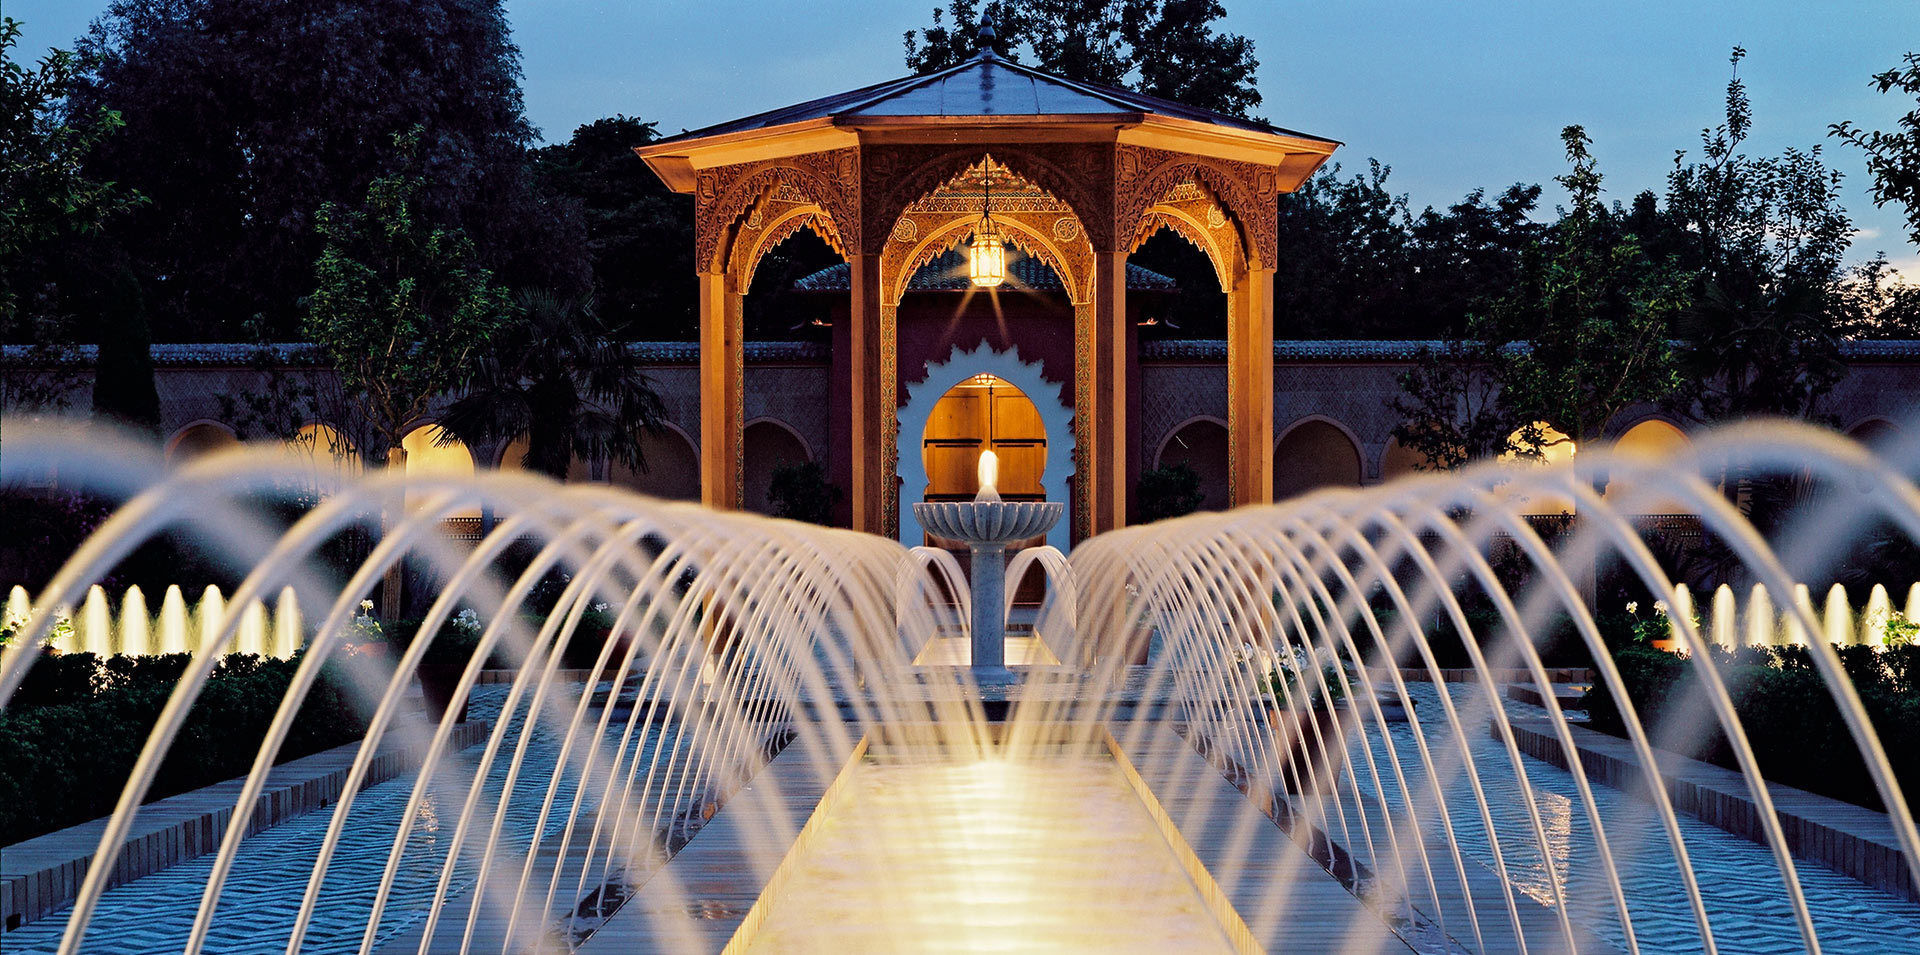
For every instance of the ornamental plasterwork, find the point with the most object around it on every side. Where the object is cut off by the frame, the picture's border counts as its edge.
(905, 230)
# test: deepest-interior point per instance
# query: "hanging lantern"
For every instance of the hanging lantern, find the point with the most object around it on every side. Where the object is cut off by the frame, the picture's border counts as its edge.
(986, 256)
(986, 253)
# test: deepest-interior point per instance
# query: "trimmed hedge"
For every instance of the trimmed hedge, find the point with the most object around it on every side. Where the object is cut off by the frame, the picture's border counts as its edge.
(72, 733)
(1784, 705)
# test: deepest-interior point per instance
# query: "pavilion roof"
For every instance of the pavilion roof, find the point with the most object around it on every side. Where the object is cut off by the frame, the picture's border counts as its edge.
(986, 85)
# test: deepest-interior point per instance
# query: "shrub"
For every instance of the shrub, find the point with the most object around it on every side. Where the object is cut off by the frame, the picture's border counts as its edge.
(802, 492)
(1783, 703)
(72, 741)
(1168, 492)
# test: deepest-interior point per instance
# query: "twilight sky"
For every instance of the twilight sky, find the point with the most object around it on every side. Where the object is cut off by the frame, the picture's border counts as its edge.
(1453, 94)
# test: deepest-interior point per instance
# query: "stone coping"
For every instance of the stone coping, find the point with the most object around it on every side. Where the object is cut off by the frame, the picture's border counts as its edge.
(1471, 675)
(1853, 840)
(42, 875)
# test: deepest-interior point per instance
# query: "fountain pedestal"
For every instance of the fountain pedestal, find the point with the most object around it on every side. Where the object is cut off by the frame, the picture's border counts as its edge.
(987, 525)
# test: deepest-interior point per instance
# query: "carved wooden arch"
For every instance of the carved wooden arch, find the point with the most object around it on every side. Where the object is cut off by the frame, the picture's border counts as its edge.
(1077, 174)
(1228, 261)
(1074, 268)
(726, 195)
(1246, 192)
(746, 256)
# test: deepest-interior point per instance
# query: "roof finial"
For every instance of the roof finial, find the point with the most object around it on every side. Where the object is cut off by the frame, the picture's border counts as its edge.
(986, 37)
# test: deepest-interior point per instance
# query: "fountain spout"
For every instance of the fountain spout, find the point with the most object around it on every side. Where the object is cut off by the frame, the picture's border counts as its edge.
(988, 524)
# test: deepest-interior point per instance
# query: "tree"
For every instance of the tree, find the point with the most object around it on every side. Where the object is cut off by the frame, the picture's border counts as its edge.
(556, 378)
(400, 305)
(1582, 334)
(1893, 158)
(1168, 492)
(1762, 239)
(245, 117)
(1596, 313)
(1450, 409)
(638, 233)
(49, 209)
(1165, 48)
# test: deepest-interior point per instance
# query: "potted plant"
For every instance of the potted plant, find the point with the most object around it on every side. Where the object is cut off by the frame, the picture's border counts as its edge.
(445, 661)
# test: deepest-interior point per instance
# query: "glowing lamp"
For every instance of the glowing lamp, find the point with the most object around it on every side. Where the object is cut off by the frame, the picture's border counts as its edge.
(986, 256)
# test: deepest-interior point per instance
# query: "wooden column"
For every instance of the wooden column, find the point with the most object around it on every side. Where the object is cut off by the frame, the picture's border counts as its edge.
(722, 365)
(1250, 387)
(1107, 485)
(866, 430)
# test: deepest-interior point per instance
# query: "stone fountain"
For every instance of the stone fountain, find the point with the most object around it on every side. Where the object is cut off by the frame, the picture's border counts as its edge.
(988, 524)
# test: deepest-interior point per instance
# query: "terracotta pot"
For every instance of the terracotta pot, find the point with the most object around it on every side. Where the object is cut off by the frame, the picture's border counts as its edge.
(437, 683)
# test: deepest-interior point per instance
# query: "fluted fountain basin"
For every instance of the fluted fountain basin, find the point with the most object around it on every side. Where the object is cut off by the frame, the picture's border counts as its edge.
(988, 522)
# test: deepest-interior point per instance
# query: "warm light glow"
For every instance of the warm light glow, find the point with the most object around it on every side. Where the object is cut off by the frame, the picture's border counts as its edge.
(987, 256)
(989, 471)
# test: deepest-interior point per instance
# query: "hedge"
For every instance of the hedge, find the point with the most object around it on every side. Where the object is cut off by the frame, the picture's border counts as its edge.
(1785, 708)
(69, 738)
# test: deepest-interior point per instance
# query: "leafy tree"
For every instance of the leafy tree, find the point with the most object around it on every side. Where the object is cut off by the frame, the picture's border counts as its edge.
(1450, 409)
(1893, 158)
(1165, 48)
(1596, 313)
(1343, 267)
(400, 306)
(638, 233)
(556, 378)
(50, 209)
(1582, 334)
(1763, 240)
(245, 117)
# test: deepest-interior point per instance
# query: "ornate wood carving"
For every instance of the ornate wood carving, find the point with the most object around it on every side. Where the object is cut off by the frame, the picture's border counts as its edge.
(1249, 192)
(724, 196)
(895, 177)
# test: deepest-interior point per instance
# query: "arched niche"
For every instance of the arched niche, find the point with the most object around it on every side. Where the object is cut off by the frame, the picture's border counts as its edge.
(672, 467)
(1655, 441)
(1056, 420)
(767, 445)
(984, 413)
(1874, 432)
(326, 447)
(1201, 444)
(1398, 460)
(514, 458)
(1315, 453)
(1557, 449)
(199, 439)
(429, 457)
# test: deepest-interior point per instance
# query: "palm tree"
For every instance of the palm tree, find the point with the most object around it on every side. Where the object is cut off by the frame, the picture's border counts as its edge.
(556, 378)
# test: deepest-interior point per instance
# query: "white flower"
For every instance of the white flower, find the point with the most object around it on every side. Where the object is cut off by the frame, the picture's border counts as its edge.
(366, 606)
(1660, 607)
(600, 607)
(1633, 606)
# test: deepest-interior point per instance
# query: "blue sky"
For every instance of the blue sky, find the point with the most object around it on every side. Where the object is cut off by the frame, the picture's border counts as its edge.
(1453, 94)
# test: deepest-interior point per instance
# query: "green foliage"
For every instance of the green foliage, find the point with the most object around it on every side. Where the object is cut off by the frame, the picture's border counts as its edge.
(639, 234)
(1165, 48)
(1761, 240)
(1168, 492)
(802, 492)
(1893, 158)
(1596, 313)
(400, 306)
(1783, 703)
(73, 731)
(246, 117)
(1449, 406)
(556, 377)
(51, 209)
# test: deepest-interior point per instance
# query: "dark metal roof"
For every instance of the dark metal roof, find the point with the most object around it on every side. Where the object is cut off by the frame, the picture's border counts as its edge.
(948, 273)
(986, 85)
